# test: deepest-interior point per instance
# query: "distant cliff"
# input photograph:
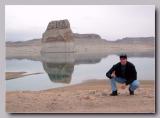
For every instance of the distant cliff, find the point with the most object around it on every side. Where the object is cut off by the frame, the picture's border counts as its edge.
(136, 40)
(83, 38)
(86, 36)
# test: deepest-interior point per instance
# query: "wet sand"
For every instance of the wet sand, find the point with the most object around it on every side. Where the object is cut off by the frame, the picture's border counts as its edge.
(88, 97)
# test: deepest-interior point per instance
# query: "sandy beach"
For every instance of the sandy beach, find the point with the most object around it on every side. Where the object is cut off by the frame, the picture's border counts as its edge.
(88, 97)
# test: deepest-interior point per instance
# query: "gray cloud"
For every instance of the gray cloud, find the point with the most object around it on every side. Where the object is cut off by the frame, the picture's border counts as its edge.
(110, 21)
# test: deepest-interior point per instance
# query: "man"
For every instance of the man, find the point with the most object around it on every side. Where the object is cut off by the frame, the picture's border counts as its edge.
(123, 72)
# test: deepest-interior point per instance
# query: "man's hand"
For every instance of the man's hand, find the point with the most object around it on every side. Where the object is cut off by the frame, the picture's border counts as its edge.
(113, 75)
(123, 86)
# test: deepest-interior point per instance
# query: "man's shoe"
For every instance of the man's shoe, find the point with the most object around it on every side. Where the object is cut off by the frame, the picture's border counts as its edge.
(131, 92)
(114, 93)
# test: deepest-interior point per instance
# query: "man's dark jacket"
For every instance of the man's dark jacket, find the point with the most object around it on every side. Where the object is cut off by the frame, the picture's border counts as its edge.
(130, 72)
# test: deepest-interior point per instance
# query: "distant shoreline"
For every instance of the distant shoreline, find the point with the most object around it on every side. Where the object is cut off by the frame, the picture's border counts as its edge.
(144, 47)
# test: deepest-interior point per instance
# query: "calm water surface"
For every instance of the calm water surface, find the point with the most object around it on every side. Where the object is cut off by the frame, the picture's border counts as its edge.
(65, 72)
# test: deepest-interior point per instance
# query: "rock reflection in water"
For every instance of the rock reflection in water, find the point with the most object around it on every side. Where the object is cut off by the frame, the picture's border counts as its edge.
(58, 66)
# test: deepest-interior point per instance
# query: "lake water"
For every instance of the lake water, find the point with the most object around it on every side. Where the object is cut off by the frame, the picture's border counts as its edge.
(59, 72)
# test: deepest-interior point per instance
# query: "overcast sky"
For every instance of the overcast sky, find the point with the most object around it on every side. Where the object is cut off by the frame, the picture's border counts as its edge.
(26, 22)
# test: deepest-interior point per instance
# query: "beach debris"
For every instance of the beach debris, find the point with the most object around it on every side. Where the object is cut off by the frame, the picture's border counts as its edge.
(89, 97)
(104, 94)
(92, 92)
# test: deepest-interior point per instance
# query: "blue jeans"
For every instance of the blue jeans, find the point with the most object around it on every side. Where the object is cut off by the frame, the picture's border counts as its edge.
(133, 86)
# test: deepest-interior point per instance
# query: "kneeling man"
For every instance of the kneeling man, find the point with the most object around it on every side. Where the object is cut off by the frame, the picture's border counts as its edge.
(123, 72)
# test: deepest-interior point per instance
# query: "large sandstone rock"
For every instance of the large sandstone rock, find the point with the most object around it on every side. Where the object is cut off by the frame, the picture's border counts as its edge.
(58, 37)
